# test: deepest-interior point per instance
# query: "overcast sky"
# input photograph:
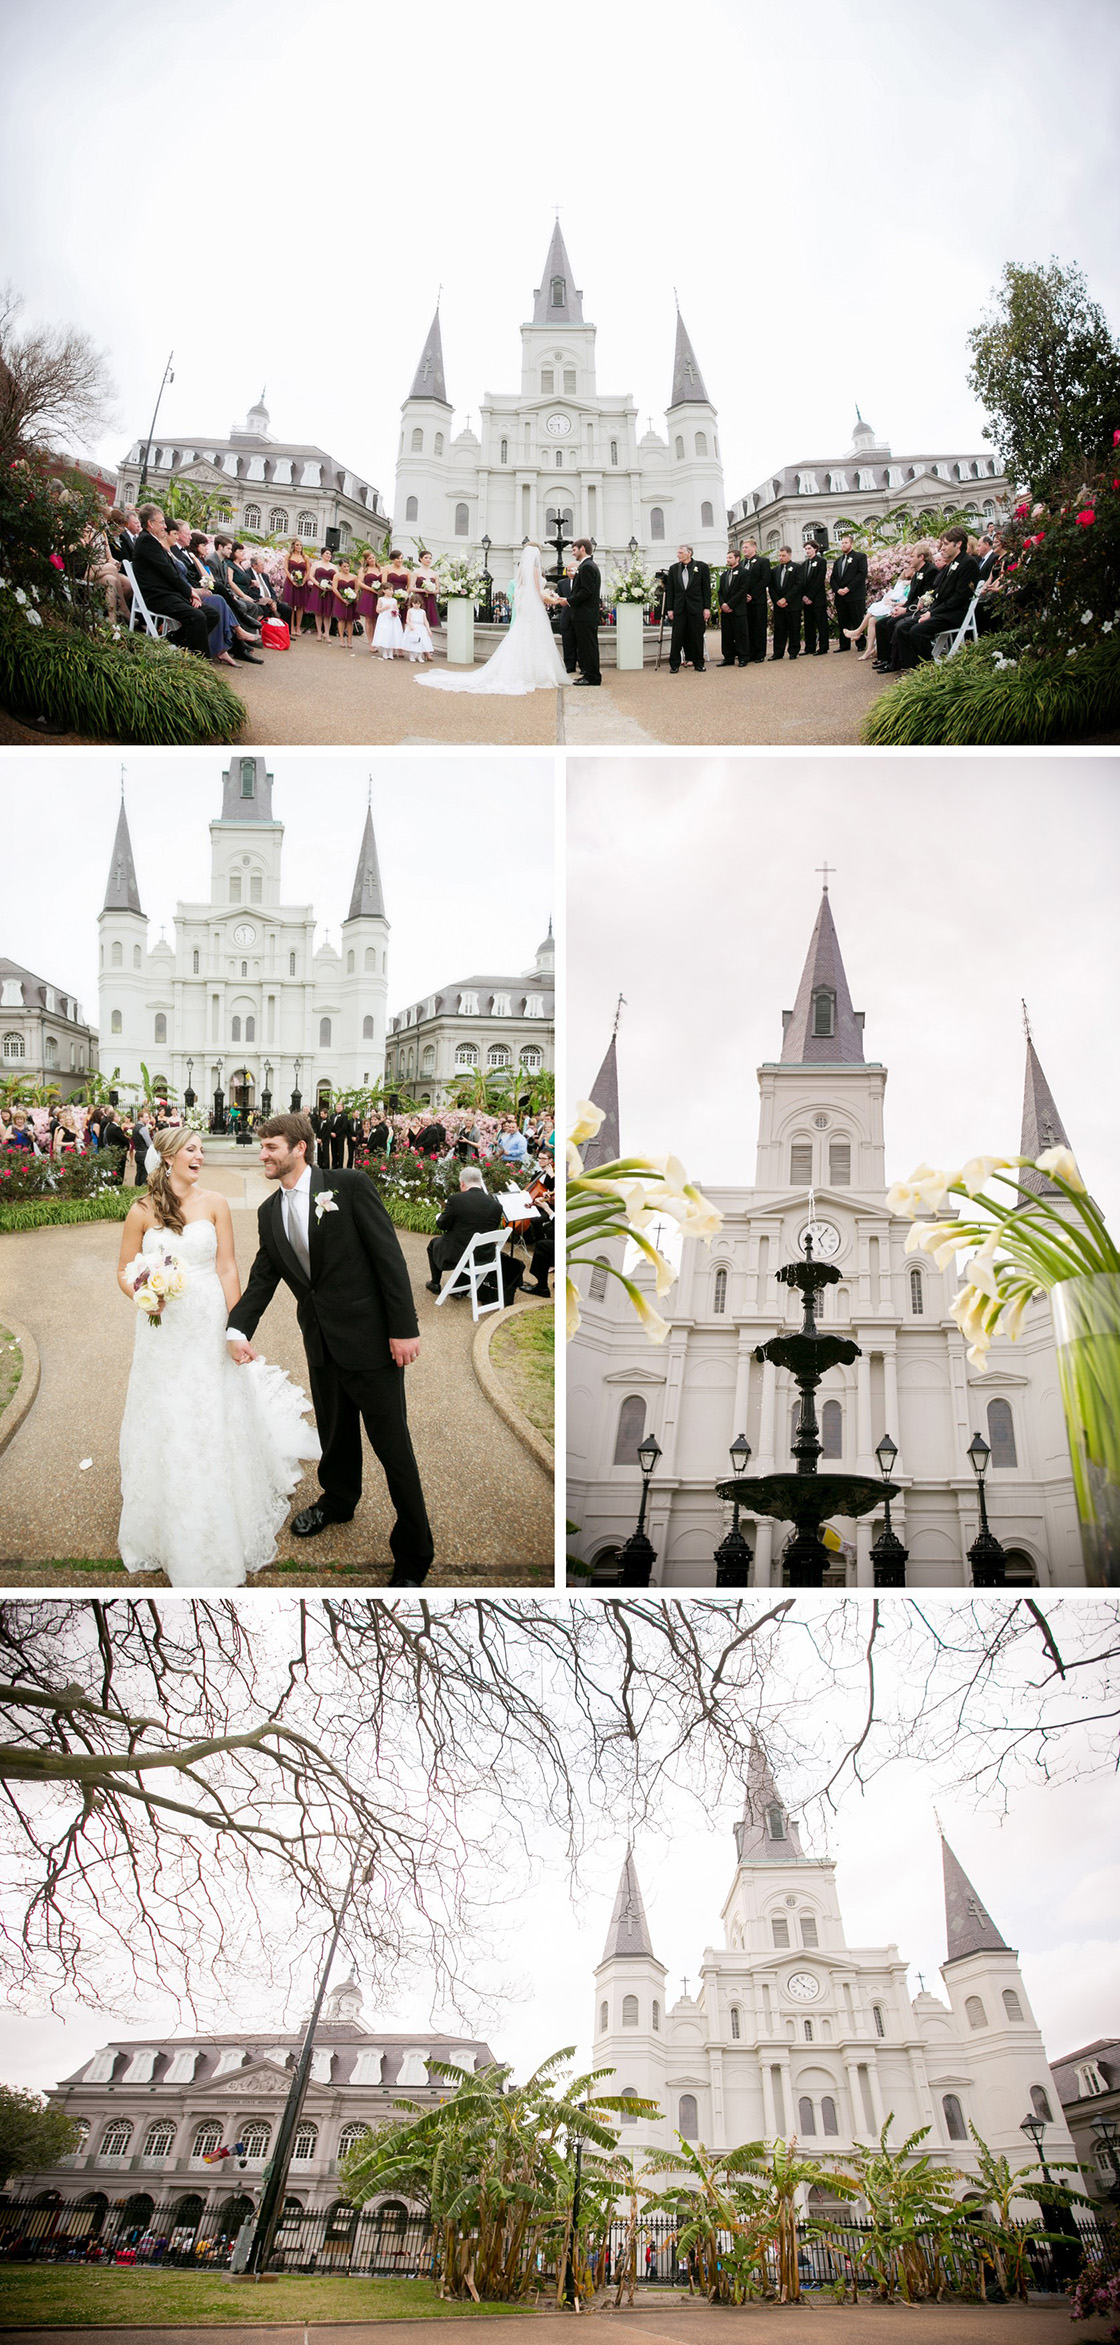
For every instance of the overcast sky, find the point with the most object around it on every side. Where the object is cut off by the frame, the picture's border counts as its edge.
(833, 202)
(61, 821)
(1047, 1872)
(960, 884)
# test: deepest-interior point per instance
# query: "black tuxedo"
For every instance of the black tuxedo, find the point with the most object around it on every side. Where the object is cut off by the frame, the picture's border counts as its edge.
(785, 586)
(814, 601)
(336, 1129)
(112, 1136)
(356, 1295)
(754, 570)
(733, 621)
(688, 605)
(464, 1214)
(380, 1139)
(165, 590)
(849, 571)
(914, 636)
(583, 597)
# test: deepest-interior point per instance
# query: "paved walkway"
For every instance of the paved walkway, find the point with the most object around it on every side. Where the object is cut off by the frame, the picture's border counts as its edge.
(317, 692)
(792, 2324)
(490, 1504)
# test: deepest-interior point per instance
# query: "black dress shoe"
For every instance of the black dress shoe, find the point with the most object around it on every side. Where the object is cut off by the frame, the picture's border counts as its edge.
(727, 663)
(433, 1285)
(591, 682)
(407, 1579)
(314, 1519)
(249, 658)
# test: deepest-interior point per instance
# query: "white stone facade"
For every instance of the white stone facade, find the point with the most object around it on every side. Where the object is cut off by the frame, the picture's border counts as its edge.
(243, 983)
(868, 480)
(273, 489)
(476, 1026)
(43, 1035)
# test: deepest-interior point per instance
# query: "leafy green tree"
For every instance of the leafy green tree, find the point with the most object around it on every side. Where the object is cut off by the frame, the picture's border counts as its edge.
(737, 2214)
(33, 2133)
(901, 527)
(1002, 2239)
(1046, 368)
(193, 501)
(912, 2213)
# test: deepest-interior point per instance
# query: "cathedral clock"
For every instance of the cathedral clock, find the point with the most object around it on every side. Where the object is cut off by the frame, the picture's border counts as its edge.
(803, 1986)
(243, 934)
(558, 425)
(826, 1238)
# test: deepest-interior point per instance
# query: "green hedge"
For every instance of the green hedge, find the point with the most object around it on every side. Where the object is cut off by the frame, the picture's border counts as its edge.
(410, 1213)
(968, 701)
(132, 690)
(53, 1212)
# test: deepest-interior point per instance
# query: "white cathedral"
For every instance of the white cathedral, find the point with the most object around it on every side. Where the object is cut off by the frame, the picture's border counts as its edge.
(820, 1129)
(559, 448)
(794, 2032)
(243, 1003)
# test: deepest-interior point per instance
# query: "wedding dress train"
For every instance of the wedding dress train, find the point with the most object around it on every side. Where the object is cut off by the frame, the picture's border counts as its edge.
(210, 1452)
(527, 658)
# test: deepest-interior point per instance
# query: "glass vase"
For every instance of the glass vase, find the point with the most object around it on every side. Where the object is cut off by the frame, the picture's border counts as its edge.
(1086, 1314)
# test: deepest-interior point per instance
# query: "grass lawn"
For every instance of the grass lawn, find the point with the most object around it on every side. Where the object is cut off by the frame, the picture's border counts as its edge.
(11, 1367)
(95, 2296)
(523, 1355)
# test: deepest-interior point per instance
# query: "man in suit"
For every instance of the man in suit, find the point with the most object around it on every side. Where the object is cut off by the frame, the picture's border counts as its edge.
(814, 601)
(848, 581)
(756, 589)
(337, 1130)
(733, 612)
(785, 594)
(582, 598)
(228, 640)
(329, 1238)
(473, 1209)
(915, 634)
(992, 558)
(688, 593)
(163, 585)
(113, 1135)
(380, 1139)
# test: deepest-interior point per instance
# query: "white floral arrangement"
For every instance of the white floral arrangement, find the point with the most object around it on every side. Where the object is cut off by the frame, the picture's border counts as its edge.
(623, 1199)
(630, 583)
(1024, 1244)
(458, 577)
(155, 1279)
(26, 598)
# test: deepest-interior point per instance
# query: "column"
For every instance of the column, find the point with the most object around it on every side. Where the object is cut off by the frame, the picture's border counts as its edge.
(769, 2120)
(766, 1419)
(864, 1460)
(890, 1397)
(876, 2096)
(742, 1383)
(763, 1554)
(855, 2096)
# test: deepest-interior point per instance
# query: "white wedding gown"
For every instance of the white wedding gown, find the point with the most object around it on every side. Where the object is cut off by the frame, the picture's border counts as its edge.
(527, 658)
(210, 1452)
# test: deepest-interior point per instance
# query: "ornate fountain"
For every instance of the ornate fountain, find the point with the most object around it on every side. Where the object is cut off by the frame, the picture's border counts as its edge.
(807, 1498)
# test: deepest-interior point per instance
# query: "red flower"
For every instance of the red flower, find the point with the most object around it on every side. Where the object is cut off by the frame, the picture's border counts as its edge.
(57, 562)
(1116, 439)
(1012, 565)
(1020, 510)
(1086, 519)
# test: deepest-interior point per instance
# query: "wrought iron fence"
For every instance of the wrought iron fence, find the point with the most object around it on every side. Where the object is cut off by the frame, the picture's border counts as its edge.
(824, 2260)
(187, 2232)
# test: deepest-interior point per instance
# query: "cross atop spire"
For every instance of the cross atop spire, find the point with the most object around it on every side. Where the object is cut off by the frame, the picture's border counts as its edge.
(121, 891)
(969, 1928)
(822, 1028)
(824, 869)
(1042, 1125)
(428, 381)
(688, 382)
(557, 300)
(629, 1929)
(366, 900)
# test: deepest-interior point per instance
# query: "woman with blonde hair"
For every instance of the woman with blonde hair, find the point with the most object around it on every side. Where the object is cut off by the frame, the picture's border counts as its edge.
(210, 1452)
(528, 657)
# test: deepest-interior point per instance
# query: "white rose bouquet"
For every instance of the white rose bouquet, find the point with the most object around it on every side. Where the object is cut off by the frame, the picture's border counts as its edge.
(155, 1279)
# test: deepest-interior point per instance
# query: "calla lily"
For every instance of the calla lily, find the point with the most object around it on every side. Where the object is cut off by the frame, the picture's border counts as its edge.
(666, 1275)
(917, 1236)
(982, 1273)
(1063, 1162)
(1011, 1317)
(672, 1173)
(655, 1326)
(571, 1310)
(946, 1248)
(978, 1352)
(574, 1161)
(588, 1120)
(979, 1169)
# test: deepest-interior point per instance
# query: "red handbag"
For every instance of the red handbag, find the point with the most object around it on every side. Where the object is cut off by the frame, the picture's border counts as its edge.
(275, 634)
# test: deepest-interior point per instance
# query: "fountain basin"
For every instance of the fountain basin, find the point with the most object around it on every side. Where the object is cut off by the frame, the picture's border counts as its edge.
(807, 1500)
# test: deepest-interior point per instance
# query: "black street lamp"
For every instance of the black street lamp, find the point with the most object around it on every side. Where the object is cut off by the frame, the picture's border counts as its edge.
(168, 377)
(636, 1558)
(188, 1095)
(219, 1102)
(296, 1102)
(888, 1555)
(632, 548)
(488, 598)
(733, 1557)
(1067, 2259)
(266, 1094)
(985, 1555)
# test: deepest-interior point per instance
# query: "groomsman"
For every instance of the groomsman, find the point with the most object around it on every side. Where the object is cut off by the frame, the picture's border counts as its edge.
(688, 592)
(849, 590)
(733, 612)
(814, 601)
(755, 571)
(785, 594)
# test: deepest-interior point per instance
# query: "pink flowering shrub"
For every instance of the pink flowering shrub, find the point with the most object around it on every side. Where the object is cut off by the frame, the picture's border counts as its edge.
(1062, 591)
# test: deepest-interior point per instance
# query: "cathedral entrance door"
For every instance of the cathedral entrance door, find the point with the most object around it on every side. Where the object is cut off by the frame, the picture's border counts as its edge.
(241, 1089)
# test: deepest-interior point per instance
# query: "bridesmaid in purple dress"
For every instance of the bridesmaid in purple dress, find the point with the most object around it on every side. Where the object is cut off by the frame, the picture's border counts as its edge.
(344, 601)
(424, 582)
(324, 597)
(297, 571)
(367, 599)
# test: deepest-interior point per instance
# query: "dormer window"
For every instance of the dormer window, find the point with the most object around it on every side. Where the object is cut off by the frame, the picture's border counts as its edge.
(558, 293)
(775, 1824)
(824, 1012)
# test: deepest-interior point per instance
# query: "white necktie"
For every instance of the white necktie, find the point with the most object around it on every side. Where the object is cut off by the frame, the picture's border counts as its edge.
(296, 1239)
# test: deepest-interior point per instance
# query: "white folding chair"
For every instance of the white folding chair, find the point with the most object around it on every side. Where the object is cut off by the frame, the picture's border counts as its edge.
(947, 643)
(158, 623)
(481, 1261)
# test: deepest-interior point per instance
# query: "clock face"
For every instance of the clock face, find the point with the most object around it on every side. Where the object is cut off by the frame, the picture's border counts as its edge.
(558, 425)
(803, 1986)
(243, 934)
(827, 1240)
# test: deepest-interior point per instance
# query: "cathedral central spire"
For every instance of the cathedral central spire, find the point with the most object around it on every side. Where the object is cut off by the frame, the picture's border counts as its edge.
(1042, 1125)
(556, 300)
(122, 893)
(688, 382)
(606, 1147)
(765, 1833)
(822, 1026)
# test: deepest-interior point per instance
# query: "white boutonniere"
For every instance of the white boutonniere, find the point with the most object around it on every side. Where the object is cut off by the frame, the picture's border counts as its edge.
(325, 1202)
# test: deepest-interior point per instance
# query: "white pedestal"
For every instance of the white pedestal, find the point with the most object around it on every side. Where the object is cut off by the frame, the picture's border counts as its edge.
(460, 632)
(629, 618)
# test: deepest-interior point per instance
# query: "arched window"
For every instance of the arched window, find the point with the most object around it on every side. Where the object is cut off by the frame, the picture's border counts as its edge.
(631, 1426)
(779, 1929)
(466, 1054)
(291, 964)
(115, 1027)
(877, 2016)
(1011, 2003)
(278, 519)
(51, 1051)
(462, 520)
(350, 964)
(629, 2011)
(1041, 2105)
(160, 2139)
(307, 528)
(498, 1055)
(13, 1043)
(324, 1033)
(558, 460)
(439, 443)
(307, 2136)
(917, 1298)
(531, 1058)
(116, 957)
(828, 2115)
(255, 2138)
(628, 2092)
(208, 2136)
(657, 2019)
(160, 1034)
(504, 456)
(688, 2119)
(251, 518)
(614, 451)
(679, 449)
(349, 2138)
(824, 1011)
(367, 1029)
(371, 959)
(136, 956)
(707, 517)
(701, 443)
(775, 1824)
(955, 2125)
(831, 1430)
(194, 963)
(411, 509)
(800, 1163)
(771, 541)
(656, 521)
(558, 293)
(719, 1292)
(598, 1287)
(235, 1030)
(735, 2026)
(428, 1060)
(116, 2138)
(806, 2121)
(1001, 1433)
(974, 2011)
(417, 442)
(604, 2016)
(840, 1164)
(250, 1029)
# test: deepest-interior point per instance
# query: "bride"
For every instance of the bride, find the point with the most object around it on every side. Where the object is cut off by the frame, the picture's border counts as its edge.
(527, 658)
(209, 1451)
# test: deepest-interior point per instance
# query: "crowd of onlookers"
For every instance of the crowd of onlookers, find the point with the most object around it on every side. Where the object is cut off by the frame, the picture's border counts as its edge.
(343, 1137)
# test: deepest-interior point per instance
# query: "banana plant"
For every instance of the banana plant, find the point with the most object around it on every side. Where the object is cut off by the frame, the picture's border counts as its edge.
(913, 2214)
(1004, 2242)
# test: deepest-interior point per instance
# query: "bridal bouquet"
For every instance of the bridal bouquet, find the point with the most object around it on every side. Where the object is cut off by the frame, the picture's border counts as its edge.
(155, 1279)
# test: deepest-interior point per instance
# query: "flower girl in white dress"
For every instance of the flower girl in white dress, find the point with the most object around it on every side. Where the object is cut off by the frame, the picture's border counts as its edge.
(210, 1452)
(388, 635)
(417, 633)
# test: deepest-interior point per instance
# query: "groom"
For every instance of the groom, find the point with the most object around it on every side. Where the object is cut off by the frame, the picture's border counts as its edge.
(582, 599)
(327, 1235)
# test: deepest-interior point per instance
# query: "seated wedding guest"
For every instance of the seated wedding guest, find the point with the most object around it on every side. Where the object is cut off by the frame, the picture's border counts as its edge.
(163, 585)
(219, 562)
(542, 1259)
(264, 593)
(915, 635)
(124, 529)
(512, 1143)
(107, 568)
(473, 1209)
(993, 561)
(228, 640)
(848, 580)
(888, 605)
(925, 565)
(20, 1134)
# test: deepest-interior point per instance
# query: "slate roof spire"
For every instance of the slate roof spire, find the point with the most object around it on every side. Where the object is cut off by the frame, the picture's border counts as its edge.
(366, 900)
(428, 381)
(567, 310)
(1042, 1125)
(688, 382)
(121, 891)
(606, 1145)
(819, 1030)
(629, 1929)
(756, 1834)
(969, 1928)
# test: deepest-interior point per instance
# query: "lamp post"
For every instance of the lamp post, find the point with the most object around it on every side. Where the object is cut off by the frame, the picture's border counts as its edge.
(266, 1094)
(219, 1102)
(632, 547)
(188, 1095)
(488, 598)
(296, 1101)
(733, 1556)
(636, 1558)
(168, 377)
(985, 1555)
(888, 1555)
(1067, 2258)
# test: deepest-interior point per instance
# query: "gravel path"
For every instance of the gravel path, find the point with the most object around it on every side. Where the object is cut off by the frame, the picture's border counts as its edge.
(491, 1505)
